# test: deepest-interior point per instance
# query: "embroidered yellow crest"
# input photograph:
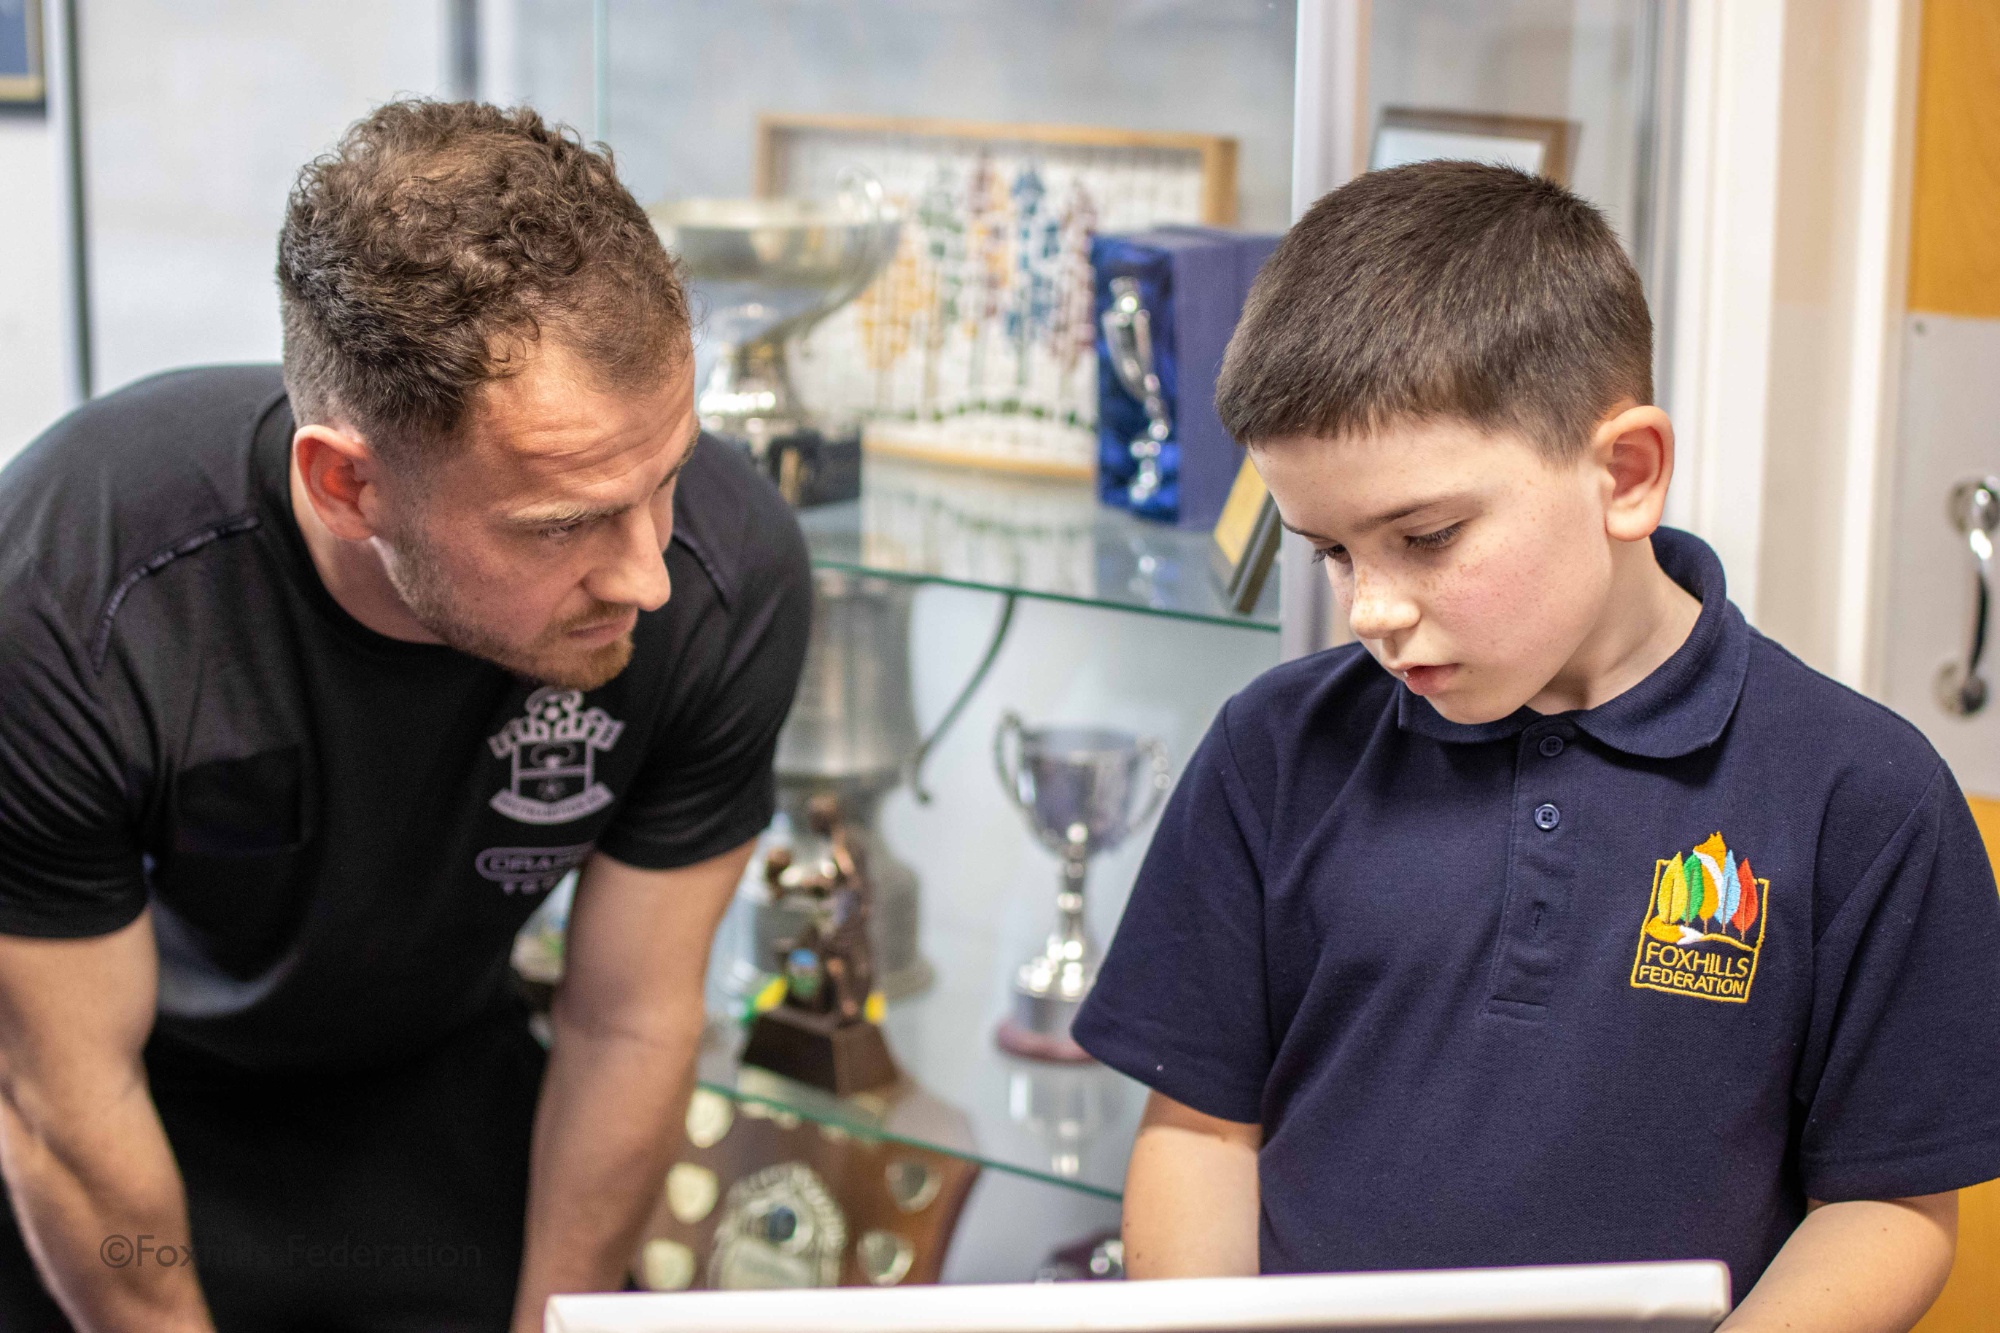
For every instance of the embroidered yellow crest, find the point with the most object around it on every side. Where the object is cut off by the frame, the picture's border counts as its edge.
(1704, 925)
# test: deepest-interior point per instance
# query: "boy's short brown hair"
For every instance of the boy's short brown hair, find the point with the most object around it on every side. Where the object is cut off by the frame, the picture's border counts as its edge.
(438, 241)
(1441, 289)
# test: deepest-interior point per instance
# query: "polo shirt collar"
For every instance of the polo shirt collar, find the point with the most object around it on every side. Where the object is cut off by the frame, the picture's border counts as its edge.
(1682, 707)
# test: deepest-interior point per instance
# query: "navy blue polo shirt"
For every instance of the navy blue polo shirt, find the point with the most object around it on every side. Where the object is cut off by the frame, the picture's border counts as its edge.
(1623, 984)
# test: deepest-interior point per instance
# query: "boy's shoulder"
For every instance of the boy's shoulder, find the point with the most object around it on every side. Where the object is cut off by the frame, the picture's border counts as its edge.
(1857, 749)
(1849, 763)
(1329, 703)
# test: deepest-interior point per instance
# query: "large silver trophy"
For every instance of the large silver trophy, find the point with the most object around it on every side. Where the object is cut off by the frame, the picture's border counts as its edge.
(766, 271)
(1083, 790)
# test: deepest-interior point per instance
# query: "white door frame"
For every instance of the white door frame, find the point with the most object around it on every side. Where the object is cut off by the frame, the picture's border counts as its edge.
(1887, 153)
(1329, 147)
(1722, 390)
(1723, 292)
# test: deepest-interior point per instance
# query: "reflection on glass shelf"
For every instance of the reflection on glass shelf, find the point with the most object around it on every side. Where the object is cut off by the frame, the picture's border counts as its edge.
(1035, 536)
(1069, 1125)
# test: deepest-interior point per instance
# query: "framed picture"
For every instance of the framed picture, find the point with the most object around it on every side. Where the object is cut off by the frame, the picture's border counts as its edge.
(977, 345)
(21, 79)
(1538, 147)
(783, 139)
(1245, 540)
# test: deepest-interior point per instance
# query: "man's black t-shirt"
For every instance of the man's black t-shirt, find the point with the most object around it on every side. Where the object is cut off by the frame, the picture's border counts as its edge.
(339, 833)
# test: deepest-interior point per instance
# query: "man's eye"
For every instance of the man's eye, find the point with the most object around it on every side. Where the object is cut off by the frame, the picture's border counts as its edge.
(555, 532)
(1337, 554)
(1434, 541)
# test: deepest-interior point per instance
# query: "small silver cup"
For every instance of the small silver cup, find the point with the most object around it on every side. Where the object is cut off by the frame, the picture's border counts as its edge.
(1083, 790)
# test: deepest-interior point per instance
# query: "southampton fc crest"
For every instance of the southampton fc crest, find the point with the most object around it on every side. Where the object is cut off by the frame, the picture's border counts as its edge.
(553, 747)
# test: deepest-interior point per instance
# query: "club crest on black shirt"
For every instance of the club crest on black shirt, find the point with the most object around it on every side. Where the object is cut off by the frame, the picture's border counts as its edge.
(553, 747)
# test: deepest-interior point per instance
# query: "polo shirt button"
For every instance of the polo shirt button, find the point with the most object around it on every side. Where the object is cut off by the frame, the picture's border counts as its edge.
(1552, 746)
(1547, 817)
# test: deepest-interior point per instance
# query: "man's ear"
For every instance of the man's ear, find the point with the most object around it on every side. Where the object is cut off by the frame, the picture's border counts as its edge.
(1634, 447)
(342, 479)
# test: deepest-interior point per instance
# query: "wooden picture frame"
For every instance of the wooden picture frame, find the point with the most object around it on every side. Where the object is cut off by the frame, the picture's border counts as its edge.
(23, 78)
(1539, 146)
(1245, 540)
(1217, 152)
(975, 346)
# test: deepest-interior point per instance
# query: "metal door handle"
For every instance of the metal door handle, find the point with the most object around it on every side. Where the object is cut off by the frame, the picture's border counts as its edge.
(1974, 509)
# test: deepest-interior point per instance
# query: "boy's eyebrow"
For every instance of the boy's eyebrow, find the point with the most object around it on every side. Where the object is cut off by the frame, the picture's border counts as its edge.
(1395, 515)
(558, 515)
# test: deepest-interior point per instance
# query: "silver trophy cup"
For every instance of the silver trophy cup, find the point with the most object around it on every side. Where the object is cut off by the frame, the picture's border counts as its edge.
(768, 270)
(1083, 790)
(1128, 333)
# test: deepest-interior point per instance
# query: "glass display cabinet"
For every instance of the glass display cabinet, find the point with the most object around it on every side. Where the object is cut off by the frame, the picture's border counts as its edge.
(999, 586)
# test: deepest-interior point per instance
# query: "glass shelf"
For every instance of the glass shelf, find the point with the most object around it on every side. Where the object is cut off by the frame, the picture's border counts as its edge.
(1037, 537)
(1065, 1125)
(1069, 1126)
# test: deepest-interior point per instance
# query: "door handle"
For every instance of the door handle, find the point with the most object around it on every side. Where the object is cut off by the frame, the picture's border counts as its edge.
(1974, 509)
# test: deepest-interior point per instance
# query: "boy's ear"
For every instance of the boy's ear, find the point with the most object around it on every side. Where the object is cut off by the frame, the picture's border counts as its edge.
(342, 479)
(1634, 448)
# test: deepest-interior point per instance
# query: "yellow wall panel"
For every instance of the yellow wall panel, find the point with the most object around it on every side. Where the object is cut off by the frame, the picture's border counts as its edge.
(1955, 218)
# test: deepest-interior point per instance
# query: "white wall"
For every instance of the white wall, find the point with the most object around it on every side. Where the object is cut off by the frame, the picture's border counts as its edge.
(32, 391)
(197, 115)
(196, 118)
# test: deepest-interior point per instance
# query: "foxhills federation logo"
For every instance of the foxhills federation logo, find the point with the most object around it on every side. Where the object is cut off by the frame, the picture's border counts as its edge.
(554, 747)
(1704, 926)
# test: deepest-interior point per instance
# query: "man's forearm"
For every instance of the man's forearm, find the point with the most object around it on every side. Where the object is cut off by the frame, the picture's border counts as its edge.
(1861, 1267)
(101, 1203)
(605, 1129)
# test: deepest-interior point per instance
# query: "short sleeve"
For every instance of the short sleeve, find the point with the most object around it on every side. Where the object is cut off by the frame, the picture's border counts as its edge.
(1900, 1087)
(1180, 1002)
(70, 862)
(707, 784)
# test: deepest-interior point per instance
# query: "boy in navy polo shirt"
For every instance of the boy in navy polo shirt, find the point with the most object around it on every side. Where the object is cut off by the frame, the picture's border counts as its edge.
(1563, 918)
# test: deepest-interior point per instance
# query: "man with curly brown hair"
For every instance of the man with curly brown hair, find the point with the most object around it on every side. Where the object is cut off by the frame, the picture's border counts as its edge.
(317, 682)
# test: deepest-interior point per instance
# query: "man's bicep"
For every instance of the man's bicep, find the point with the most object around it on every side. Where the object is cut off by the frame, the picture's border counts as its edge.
(74, 1016)
(637, 950)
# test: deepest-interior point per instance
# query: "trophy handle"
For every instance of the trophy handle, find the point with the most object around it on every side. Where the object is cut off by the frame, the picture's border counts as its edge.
(1121, 337)
(1162, 780)
(1010, 772)
(860, 182)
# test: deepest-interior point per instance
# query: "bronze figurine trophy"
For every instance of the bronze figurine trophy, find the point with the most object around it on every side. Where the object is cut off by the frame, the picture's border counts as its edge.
(824, 1030)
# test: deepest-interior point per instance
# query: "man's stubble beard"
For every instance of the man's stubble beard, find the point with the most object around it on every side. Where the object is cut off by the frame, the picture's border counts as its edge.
(418, 576)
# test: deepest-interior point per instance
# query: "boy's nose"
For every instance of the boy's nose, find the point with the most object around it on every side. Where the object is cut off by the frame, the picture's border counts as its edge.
(1377, 609)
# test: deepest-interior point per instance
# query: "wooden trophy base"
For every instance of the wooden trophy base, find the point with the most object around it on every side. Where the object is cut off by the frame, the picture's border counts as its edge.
(820, 1050)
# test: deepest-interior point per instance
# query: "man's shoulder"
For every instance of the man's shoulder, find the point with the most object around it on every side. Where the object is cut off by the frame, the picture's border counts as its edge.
(126, 479)
(157, 422)
(739, 530)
